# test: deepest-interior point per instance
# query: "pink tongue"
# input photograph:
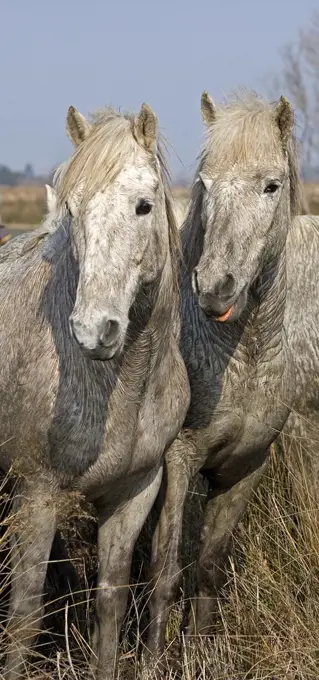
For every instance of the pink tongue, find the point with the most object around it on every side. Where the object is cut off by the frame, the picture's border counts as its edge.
(225, 316)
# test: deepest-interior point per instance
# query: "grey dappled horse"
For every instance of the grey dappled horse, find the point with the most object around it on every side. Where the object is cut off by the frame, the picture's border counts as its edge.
(249, 339)
(93, 387)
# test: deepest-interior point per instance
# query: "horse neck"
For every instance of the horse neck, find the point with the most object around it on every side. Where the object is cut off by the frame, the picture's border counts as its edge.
(263, 331)
(156, 311)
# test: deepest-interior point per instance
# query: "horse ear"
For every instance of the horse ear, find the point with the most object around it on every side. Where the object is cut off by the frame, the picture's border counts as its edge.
(51, 197)
(77, 127)
(206, 181)
(208, 108)
(284, 115)
(145, 128)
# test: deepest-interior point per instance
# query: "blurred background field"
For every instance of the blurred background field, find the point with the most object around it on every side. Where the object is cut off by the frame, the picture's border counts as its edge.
(23, 206)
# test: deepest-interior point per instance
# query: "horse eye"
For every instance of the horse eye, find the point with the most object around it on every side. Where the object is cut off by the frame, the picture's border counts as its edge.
(271, 188)
(143, 207)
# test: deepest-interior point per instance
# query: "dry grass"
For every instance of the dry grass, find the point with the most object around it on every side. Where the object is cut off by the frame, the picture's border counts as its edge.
(270, 623)
(270, 618)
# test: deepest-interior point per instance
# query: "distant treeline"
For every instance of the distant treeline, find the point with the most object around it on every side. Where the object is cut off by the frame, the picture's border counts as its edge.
(14, 178)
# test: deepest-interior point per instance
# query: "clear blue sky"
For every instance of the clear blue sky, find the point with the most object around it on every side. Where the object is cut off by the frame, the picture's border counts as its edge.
(54, 53)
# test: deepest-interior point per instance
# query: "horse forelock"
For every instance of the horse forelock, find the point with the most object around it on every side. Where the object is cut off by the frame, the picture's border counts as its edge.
(98, 160)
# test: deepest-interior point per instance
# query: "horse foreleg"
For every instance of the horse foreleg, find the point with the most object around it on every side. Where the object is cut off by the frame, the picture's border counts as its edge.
(118, 531)
(166, 573)
(223, 511)
(64, 579)
(32, 533)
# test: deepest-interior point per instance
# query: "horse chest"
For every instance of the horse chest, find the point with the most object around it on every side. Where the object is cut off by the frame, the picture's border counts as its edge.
(137, 435)
(242, 413)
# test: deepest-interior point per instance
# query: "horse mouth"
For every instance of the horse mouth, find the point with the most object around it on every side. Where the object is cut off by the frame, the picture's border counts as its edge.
(103, 353)
(232, 312)
(227, 315)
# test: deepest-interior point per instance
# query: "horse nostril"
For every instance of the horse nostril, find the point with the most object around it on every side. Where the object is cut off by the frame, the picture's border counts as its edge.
(195, 282)
(73, 331)
(227, 286)
(110, 332)
(71, 326)
(107, 329)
